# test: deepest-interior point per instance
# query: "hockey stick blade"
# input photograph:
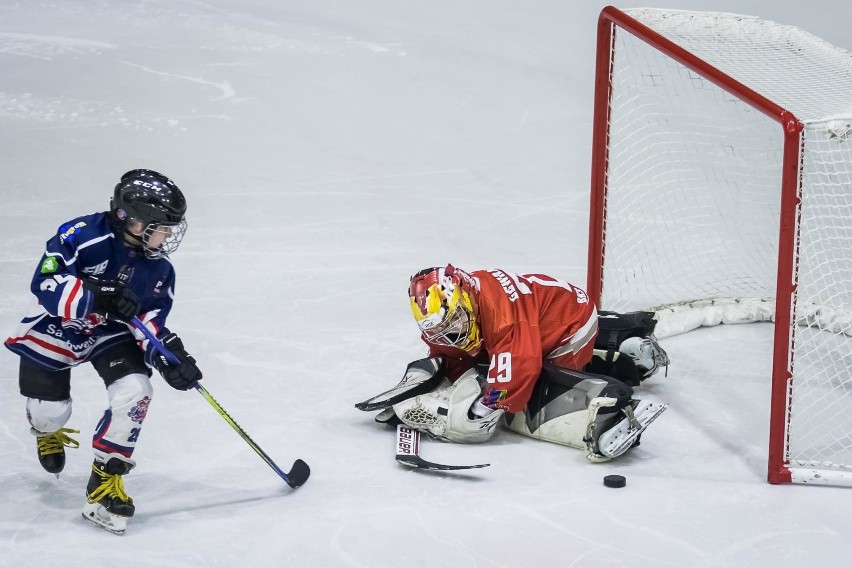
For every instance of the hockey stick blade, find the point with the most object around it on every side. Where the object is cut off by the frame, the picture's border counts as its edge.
(420, 463)
(298, 474)
(408, 452)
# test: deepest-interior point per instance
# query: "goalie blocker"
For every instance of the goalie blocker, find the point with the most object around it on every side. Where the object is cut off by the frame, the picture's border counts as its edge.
(583, 410)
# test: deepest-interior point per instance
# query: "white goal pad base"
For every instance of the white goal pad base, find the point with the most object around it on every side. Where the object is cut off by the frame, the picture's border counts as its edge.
(808, 476)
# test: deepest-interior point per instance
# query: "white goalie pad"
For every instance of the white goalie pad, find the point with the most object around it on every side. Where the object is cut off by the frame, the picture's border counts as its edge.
(603, 436)
(567, 416)
(618, 439)
(567, 430)
(445, 412)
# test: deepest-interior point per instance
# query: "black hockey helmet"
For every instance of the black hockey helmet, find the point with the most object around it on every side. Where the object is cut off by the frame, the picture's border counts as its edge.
(148, 196)
(157, 206)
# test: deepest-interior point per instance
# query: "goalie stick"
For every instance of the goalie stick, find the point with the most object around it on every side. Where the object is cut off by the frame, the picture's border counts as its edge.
(298, 474)
(408, 452)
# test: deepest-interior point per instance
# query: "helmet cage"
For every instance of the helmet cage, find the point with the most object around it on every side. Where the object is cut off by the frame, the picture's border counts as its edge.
(448, 327)
(444, 310)
(159, 240)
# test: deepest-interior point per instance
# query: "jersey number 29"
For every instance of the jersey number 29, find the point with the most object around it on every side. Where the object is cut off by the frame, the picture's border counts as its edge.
(500, 370)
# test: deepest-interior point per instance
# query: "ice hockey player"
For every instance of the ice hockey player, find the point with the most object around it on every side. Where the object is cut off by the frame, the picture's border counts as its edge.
(530, 346)
(96, 274)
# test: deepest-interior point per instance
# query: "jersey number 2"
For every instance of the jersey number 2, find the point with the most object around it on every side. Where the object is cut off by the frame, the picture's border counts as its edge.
(500, 370)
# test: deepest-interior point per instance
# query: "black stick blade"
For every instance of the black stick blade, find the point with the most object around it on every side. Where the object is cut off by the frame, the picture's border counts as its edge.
(420, 463)
(298, 474)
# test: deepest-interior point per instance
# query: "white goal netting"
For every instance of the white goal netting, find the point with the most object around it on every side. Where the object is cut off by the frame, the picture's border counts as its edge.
(693, 201)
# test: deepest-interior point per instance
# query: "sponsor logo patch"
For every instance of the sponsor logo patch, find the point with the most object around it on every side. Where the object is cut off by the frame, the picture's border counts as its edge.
(125, 274)
(138, 412)
(494, 396)
(97, 269)
(70, 231)
(405, 444)
(49, 265)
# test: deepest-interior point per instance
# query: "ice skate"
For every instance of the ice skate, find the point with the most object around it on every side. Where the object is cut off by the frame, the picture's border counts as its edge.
(107, 504)
(625, 434)
(51, 448)
(647, 353)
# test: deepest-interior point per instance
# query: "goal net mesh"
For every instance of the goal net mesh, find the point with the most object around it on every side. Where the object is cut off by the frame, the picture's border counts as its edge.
(693, 200)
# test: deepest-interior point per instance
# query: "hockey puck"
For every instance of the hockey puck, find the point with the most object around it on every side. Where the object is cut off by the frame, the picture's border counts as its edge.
(615, 481)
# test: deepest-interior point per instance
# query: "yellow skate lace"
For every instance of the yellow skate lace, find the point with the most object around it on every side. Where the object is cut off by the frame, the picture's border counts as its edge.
(55, 443)
(111, 486)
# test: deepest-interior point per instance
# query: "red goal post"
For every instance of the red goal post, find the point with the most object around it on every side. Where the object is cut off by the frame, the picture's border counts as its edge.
(722, 188)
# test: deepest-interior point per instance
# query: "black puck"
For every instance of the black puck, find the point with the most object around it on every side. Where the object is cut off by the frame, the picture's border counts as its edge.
(615, 481)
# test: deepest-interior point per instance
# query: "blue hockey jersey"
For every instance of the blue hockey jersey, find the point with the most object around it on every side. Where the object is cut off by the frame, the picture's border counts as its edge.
(60, 330)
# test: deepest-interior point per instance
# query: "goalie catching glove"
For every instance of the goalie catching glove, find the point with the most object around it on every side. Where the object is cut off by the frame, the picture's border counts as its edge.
(453, 412)
(182, 375)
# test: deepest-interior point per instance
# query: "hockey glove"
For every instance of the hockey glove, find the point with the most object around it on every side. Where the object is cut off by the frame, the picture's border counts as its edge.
(114, 298)
(183, 375)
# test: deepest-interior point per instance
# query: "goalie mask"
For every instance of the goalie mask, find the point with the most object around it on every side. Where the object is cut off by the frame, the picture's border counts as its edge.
(445, 308)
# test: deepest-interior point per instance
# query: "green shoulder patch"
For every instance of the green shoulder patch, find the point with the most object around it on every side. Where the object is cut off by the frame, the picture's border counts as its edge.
(49, 265)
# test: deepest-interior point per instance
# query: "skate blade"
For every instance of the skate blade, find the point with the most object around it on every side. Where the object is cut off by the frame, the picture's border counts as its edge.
(100, 517)
(621, 438)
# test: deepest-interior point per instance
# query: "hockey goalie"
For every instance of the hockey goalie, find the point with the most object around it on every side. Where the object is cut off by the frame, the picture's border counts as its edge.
(530, 351)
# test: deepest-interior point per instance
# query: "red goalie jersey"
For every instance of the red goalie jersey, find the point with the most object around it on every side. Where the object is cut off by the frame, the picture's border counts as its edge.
(514, 322)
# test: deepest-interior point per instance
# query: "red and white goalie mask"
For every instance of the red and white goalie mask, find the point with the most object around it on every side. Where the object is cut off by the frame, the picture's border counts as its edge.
(445, 308)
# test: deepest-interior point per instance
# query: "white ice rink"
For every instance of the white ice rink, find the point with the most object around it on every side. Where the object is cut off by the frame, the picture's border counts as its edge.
(328, 150)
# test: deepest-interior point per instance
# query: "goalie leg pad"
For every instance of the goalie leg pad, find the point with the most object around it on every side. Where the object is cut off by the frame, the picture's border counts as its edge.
(567, 430)
(445, 413)
(621, 367)
(565, 402)
(632, 334)
(615, 327)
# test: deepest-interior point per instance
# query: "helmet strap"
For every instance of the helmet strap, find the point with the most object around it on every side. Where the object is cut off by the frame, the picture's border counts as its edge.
(134, 241)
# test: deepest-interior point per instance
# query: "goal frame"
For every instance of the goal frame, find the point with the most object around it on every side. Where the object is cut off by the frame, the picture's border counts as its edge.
(790, 127)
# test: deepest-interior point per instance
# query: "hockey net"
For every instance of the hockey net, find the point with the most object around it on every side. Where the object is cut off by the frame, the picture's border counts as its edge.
(722, 193)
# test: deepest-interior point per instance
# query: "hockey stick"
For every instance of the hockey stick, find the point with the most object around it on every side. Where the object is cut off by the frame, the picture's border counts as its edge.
(408, 452)
(298, 474)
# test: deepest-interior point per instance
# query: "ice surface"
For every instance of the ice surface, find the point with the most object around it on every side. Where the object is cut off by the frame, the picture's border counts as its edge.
(329, 150)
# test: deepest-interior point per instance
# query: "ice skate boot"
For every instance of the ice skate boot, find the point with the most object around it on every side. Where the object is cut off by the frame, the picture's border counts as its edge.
(51, 448)
(612, 440)
(107, 504)
(647, 353)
